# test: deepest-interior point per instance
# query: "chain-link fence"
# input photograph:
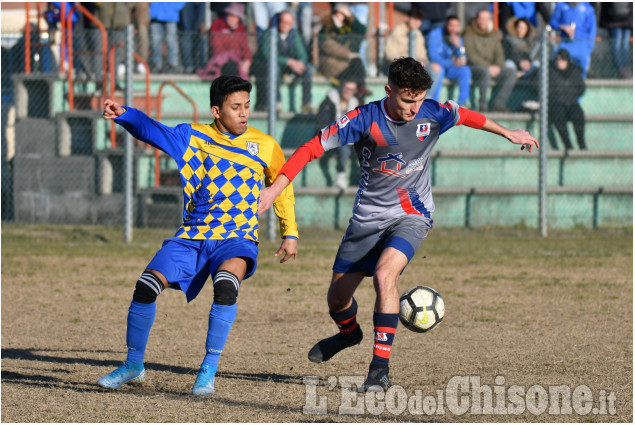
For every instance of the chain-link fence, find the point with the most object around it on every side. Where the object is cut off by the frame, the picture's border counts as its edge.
(63, 164)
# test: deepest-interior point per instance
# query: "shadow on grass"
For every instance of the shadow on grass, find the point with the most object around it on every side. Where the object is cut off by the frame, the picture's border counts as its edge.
(40, 355)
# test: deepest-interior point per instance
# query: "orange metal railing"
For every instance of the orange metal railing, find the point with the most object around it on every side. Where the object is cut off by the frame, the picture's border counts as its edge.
(27, 39)
(63, 39)
(157, 154)
(111, 91)
(69, 41)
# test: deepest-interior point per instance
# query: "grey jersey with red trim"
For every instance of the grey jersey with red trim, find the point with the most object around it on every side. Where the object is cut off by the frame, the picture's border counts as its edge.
(394, 157)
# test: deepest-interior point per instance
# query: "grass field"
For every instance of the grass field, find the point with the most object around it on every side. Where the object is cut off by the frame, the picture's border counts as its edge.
(536, 313)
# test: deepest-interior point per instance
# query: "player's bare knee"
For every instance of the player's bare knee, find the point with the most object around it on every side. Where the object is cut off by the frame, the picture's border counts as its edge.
(148, 288)
(226, 286)
(337, 301)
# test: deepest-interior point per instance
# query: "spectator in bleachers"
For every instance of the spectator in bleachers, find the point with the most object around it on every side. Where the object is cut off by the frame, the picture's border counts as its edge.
(142, 25)
(263, 12)
(434, 15)
(617, 19)
(566, 85)
(486, 58)
(521, 47)
(445, 47)
(578, 28)
(338, 101)
(230, 53)
(339, 42)
(164, 17)
(292, 60)
(508, 11)
(115, 16)
(361, 12)
(305, 25)
(192, 27)
(398, 45)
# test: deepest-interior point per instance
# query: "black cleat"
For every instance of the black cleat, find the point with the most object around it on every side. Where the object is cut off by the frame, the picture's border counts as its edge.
(377, 380)
(328, 347)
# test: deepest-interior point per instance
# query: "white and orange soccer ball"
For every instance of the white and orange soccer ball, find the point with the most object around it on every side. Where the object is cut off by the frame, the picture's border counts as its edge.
(421, 308)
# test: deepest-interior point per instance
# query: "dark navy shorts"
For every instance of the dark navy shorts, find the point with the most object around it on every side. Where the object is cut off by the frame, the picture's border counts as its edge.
(363, 243)
(187, 263)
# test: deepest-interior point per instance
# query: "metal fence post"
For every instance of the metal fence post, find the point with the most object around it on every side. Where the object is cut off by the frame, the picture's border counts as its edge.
(544, 123)
(128, 154)
(273, 100)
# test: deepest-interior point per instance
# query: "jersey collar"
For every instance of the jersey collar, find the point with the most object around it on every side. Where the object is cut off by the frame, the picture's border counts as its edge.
(384, 109)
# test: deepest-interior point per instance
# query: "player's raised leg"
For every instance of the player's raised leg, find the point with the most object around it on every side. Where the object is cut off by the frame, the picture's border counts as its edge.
(386, 316)
(140, 320)
(343, 310)
(221, 317)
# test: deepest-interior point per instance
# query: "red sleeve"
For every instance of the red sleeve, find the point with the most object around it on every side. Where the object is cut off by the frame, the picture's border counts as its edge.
(471, 118)
(303, 155)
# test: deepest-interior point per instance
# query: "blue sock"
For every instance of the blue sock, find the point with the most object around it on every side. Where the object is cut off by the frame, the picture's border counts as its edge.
(221, 318)
(140, 320)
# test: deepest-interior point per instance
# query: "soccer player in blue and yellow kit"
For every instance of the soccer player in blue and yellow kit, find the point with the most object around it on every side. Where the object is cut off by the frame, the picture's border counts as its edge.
(222, 167)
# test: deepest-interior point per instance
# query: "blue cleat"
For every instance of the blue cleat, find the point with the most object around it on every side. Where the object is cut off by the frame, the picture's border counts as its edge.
(204, 384)
(127, 373)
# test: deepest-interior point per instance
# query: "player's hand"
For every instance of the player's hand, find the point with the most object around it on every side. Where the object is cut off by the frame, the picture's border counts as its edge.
(112, 109)
(269, 194)
(523, 138)
(266, 199)
(290, 248)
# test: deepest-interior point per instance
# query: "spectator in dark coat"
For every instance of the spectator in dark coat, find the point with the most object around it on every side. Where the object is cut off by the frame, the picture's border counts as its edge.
(566, 85)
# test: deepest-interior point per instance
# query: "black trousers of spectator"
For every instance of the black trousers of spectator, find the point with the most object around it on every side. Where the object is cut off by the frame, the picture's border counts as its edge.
(560, 114)
(482, 79)
(260, 71)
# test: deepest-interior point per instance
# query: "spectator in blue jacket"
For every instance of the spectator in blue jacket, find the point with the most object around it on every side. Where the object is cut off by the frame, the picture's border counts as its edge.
(445, 47)
(578, 28)
(164, 17)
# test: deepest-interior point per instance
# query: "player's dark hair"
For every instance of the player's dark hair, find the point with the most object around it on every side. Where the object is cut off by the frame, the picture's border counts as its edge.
(408, 73)
(225, 85)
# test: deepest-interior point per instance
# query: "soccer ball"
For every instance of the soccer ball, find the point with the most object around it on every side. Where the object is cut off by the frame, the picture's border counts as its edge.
(421, 308)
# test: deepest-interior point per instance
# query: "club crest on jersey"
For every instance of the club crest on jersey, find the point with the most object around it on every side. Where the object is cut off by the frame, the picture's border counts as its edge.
(343, 122)
(423, 130)
(253, 148)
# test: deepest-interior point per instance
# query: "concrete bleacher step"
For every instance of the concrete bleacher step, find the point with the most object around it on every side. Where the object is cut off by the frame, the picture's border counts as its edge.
(51, 189)
(35, 135)
(294, 129)
(589, 206)
(498, 168)
(601, 95)
(79, 132)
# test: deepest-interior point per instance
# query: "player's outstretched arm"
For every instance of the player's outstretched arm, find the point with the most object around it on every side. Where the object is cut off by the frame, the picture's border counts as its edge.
(112, 109)
(269, 194)
(518, 137)
(289, 247)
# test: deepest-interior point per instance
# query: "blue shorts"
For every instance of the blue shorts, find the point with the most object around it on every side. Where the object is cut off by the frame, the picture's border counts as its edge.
(187, 263)
(364, 243)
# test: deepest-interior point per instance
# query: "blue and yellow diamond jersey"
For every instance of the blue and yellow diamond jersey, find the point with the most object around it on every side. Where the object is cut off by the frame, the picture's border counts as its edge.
(221, 176)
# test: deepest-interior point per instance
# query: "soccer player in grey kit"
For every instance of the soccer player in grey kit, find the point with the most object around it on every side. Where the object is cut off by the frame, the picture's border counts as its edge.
(392, 213)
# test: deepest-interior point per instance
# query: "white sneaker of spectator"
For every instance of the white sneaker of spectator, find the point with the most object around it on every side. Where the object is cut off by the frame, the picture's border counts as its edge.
(340, 180)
